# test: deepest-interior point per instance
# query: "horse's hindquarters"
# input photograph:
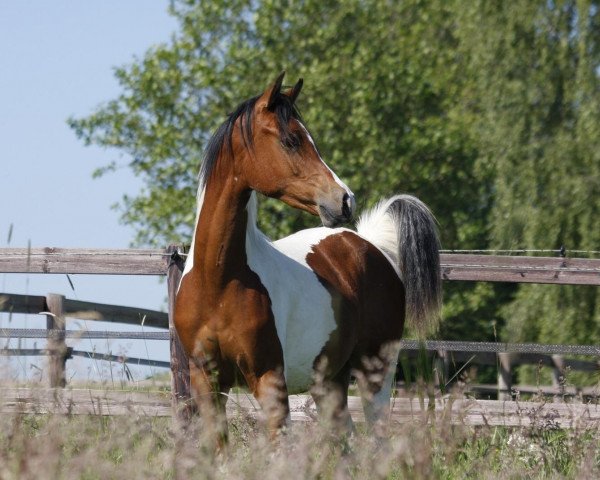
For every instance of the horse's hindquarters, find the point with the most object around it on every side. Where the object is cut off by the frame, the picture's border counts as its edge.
(334, 297)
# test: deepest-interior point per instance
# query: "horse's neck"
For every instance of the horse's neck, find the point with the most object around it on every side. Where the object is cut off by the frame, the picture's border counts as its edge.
(219, 250)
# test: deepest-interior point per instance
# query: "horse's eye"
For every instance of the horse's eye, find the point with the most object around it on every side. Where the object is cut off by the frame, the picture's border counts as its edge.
(292, 142)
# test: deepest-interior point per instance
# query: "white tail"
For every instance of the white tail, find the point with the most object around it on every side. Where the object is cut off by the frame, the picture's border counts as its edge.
(404, 228)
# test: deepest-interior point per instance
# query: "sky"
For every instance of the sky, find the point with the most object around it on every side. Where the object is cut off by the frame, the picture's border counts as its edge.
(56, 61)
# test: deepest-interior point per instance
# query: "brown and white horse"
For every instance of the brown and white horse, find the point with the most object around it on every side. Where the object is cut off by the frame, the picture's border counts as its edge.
(267, 314)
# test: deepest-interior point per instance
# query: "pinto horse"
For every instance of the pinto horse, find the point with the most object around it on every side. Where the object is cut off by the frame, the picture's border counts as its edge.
(269, 314)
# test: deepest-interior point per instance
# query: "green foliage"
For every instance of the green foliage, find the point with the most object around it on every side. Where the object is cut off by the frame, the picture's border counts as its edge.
(537, 104)
(488, 111)
(378, 104)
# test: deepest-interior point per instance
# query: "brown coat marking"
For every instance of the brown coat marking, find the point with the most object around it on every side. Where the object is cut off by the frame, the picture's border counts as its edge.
(367, 298)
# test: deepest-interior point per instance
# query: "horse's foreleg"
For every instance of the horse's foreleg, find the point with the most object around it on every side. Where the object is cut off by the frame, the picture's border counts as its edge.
(271, 392)
(210, 395)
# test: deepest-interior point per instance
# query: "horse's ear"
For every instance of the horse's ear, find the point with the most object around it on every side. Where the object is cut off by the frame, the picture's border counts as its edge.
(295, 91)
(274, 91)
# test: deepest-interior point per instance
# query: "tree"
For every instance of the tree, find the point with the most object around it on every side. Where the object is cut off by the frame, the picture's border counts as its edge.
(536, 66)
(488, 111)
(377, 104)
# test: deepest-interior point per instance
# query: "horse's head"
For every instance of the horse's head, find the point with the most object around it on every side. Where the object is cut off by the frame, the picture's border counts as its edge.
(284, 163)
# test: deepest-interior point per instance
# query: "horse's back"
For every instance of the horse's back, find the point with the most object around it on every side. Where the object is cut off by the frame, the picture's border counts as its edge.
(344, 262)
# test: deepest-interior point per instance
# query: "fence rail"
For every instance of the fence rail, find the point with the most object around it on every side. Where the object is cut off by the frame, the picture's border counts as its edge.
(15, 303)
(80, 334)
(84, 261)
(70, 353)
(501, 268)
(302, 408)
(455, 266)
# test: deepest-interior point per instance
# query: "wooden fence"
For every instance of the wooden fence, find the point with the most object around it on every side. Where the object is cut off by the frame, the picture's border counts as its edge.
(56, 308)
(169, 262)
(443, 357)
(447, 410)
(463, 267)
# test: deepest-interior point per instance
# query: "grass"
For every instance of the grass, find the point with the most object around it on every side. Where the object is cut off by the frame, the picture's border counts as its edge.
(141, 447)
(91, 447)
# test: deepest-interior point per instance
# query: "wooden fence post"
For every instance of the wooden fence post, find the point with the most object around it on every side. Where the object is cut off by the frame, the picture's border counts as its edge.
(57, 347)
(504, 376)
(558, 377)
(180, 369)
(442, 368)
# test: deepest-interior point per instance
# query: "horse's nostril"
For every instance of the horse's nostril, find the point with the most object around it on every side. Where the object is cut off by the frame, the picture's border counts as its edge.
(347, 206)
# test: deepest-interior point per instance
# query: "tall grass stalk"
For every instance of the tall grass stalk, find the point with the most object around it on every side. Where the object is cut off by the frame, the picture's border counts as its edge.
(141, 447)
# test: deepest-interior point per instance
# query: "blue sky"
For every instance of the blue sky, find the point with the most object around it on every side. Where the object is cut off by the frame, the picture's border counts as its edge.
(56, 61)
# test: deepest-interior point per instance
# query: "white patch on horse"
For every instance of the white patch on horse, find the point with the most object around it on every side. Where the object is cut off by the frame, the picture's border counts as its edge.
(189, 263)
(301, 305)
(335, 177)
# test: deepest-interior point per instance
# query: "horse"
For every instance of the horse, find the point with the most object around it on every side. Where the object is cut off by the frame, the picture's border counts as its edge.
(324, 302)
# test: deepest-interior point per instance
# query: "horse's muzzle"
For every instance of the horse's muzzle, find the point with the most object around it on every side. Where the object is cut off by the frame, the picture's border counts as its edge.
(333, 216)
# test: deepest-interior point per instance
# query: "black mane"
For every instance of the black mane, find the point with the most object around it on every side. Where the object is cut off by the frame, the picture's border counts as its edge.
(284, 111)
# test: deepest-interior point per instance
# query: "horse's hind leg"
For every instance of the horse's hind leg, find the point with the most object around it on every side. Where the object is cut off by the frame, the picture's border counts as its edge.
(331, 398)
(375, 377)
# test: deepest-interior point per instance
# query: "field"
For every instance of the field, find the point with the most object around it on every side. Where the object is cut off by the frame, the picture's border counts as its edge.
(138, 446)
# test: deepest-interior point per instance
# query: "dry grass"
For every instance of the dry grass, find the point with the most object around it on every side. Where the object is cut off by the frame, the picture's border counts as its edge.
(142, 447)
(88, 447)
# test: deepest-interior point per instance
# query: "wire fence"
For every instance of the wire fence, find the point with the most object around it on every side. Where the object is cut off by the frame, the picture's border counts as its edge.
(428, 345)
(562, 252)
(80, 334)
